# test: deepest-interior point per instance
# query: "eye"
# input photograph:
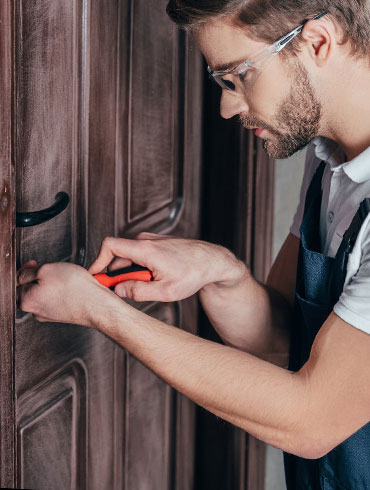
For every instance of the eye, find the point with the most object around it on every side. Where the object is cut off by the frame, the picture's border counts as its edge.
(247, 75)
(229, 84)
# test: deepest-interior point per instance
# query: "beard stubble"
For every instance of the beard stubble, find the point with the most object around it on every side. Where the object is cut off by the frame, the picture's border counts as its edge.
(297, 118)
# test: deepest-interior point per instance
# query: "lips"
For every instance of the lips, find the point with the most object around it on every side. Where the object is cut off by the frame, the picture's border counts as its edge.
(257, 131)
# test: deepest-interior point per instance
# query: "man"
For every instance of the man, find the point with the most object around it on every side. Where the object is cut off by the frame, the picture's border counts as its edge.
(306, 78)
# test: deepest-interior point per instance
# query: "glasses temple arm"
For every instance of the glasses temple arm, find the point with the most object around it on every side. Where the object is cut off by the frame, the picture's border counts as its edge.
(281, 43)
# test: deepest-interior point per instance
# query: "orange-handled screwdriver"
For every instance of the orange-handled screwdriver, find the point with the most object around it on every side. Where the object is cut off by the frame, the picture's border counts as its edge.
(133, 273)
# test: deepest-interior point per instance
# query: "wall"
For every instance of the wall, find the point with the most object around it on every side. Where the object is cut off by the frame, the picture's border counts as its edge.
(288, 178)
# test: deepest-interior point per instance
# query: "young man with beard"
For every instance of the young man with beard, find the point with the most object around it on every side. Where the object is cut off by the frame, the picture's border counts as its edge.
(297, 72)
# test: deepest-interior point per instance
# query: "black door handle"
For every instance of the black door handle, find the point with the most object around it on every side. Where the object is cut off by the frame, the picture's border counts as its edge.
(37, 217)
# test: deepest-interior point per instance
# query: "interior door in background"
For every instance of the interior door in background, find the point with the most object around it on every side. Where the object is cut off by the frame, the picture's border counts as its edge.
(237, 212)
(102, 111)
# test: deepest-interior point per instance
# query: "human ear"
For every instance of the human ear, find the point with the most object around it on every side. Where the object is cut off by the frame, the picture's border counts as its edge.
(320, 37)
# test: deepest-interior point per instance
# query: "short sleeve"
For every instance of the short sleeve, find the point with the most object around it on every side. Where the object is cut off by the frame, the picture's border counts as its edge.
(354, 303)
(311, 164)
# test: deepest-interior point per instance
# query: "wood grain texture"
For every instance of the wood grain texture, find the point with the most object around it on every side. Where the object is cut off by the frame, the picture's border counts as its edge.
(153, 110)
(45, 412)
(54, 78)
(151, 115)
(7, 248)
(157, 189)
(81, 116)
(49, 93)
(105, 22)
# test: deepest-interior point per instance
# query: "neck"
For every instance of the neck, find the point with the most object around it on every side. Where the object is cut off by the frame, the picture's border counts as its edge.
(349, 100)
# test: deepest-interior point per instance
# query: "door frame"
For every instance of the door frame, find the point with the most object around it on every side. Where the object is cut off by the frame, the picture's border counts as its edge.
(7, 247)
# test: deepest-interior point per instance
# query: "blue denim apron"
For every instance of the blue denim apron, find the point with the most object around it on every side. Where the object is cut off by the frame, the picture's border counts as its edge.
(320, 281)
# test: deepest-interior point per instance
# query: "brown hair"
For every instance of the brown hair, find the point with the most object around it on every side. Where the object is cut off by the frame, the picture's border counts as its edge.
(268, 20)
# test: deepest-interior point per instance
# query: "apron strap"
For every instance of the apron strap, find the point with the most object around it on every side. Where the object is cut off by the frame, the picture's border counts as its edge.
(315, 185)
(351, 234)
(348, 242)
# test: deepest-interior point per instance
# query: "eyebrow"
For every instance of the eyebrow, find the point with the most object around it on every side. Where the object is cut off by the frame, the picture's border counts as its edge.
(228, 65)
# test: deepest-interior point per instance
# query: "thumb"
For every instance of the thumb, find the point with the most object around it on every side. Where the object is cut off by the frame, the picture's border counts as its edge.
(24, 301)
(141, 291)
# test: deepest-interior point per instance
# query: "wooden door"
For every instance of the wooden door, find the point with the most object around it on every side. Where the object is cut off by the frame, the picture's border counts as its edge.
(101, 100)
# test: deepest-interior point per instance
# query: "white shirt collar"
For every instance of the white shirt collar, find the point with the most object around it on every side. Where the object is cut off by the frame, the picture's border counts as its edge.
(358, 169)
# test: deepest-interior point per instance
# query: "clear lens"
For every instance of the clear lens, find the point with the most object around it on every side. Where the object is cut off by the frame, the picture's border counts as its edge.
(222, 82)
(248, 77)
(239, 83)
(227, 84)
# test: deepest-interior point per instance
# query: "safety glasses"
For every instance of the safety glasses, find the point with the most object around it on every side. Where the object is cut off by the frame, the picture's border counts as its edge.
(242, 77)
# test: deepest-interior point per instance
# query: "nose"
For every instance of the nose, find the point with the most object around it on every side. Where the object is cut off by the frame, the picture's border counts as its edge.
(232, 104)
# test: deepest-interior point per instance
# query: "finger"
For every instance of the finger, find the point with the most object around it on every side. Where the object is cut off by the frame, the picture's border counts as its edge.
(42, 319)
(144, 235)
(26, 275)
(119, 263)
(22, 292)
(116, 247)
(31, 264)
(143, 291)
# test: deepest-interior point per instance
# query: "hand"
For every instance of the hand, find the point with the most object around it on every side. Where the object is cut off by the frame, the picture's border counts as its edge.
(60, 292)
(180, 267)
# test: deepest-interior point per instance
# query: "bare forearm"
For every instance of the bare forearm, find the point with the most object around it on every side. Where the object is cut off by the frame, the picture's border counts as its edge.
(251, 393)
(251, 317)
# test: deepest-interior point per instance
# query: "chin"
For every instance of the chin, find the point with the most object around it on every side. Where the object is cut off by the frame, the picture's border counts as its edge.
(277, 152)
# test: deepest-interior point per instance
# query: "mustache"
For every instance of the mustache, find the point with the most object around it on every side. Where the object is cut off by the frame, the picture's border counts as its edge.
(251, 122)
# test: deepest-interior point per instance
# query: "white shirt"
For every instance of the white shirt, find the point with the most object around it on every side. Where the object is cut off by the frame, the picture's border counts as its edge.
(345, 185)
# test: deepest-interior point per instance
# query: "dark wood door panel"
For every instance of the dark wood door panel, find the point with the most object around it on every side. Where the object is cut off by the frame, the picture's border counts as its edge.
(50, 114)
(50, 58)
(151, 115)
(153, 110)
(105, 21)
(52, 428)
(49, 350)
